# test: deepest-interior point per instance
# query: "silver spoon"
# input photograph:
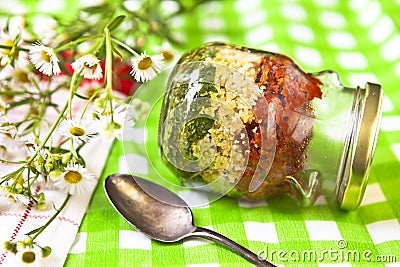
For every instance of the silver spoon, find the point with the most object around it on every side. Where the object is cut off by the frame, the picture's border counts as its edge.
(162, 215)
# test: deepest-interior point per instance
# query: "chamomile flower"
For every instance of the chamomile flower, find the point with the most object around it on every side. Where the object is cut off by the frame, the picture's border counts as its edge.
(114, 123)
(44, 59)
(10, 58)
(8, 134)
(168, 52)
(6, 127)
(75, 179)
(13, 197)
(145, 67)
(3, 106)
(28, 255)
(18, 78)
(79, 129)
(88, 66)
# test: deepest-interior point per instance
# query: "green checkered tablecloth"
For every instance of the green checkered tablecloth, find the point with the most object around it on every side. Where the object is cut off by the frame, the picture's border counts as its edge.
(359, 39)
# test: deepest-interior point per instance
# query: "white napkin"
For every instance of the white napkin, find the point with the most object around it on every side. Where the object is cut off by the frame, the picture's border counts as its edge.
(16, 219)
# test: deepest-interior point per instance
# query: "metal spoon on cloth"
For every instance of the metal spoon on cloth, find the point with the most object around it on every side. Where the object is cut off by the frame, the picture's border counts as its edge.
(162, 215)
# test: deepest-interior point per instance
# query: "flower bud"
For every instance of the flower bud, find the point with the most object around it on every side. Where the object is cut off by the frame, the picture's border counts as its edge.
(39, 168)
(55, 174)
(46, 251)
(99, 103)
(48, 166)
(41, 203)
(10, 246)
(18, 188)
(66, 158)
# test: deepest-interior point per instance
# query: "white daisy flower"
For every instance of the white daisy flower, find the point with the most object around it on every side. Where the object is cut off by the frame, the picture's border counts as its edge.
(8, 134)
(44, 59)
(18, 198)
(145, 68)
(113, 124)
(168, 52)
(3, 106)
(6, 127)
(79, 129)
(10, 58)
(28, 256)
(88, 66)
(75, 179)
(18, 78)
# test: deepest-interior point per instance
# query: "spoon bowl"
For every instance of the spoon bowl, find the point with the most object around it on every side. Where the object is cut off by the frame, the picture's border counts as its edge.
(161, 215)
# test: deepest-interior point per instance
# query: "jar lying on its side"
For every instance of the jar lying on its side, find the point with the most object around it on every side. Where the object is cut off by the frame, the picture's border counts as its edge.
(252, 124)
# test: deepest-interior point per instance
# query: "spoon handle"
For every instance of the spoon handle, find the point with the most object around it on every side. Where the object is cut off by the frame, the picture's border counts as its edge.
(223, 240)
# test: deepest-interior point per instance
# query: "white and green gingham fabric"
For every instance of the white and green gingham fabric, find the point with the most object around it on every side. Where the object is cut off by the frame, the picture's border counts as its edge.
(359, 39)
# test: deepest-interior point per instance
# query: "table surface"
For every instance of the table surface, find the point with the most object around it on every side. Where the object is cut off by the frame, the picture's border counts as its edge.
(358, 39)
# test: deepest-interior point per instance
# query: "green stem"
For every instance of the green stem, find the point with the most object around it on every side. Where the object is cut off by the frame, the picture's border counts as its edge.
(73, 151)
(16, 93)
(11, 175)
(52, 218)
(108, 61)
(53, 127)
(72, 90)
(94, 49)
(111, 110)
(75, 42)
(90, 100)
(12, 162)
(133, 52)
(15, 47)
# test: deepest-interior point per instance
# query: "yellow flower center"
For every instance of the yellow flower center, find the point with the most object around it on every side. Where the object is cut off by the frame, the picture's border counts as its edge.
(89, 92)
(8, 43)
(8, 51)
(145, 63)
(19, 178)
(28, 257)
(8, 98)
(73, 177)
(90, 67)
(77, 131)
(168, 55)
(21, 76)
(45, 56)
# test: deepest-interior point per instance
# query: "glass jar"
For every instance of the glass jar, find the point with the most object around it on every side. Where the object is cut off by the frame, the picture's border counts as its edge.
(251, 124)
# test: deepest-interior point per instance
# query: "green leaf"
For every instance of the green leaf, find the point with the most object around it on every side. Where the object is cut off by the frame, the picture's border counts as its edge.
(115, 22)
(34, 231)
(116, 51)
(75, 42)
(17, 38)
(95, 9)
(21, 103)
